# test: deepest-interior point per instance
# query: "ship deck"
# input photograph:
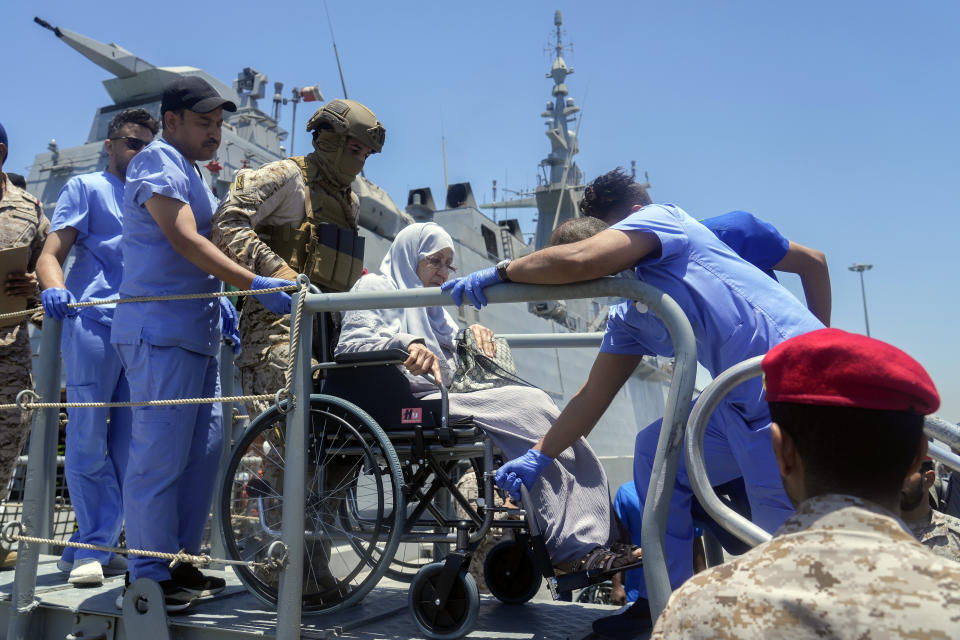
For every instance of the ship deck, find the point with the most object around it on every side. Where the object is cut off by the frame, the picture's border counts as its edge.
(236, 613)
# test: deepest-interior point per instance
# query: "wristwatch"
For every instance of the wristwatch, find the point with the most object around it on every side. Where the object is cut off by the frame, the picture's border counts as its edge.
(502, 270)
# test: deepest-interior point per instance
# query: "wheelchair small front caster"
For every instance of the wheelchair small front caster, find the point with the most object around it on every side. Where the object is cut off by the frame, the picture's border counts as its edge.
(458, 614)
(511, 572)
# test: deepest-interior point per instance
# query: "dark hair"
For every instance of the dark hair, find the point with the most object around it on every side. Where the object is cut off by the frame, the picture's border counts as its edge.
(576, 230)
(612, 192)
(132, 116)
(177, 112)
(860, 452)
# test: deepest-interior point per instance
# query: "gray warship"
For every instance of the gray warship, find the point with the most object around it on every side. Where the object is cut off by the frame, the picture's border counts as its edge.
(253, 136)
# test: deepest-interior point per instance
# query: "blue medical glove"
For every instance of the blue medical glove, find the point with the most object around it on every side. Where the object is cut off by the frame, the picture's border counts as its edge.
(279, 302)
(228, 324)
(228, 317)
(523, 470)
(472, 284)
(55, 303)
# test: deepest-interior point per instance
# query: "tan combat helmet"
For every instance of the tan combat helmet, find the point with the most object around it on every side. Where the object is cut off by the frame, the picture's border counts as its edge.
(350, 118)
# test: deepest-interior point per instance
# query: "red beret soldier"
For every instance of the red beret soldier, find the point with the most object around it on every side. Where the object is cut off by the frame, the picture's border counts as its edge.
(848, 415)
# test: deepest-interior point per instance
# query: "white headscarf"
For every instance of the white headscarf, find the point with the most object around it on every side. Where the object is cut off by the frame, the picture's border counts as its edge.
(399, 266)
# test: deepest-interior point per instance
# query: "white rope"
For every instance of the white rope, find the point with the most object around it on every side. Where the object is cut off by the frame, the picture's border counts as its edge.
(29, 406)
(285, 392)
(201, 560)
(182, 296)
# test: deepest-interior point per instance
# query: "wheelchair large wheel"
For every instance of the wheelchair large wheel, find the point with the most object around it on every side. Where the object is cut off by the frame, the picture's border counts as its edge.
(354, 504)
(511, 573)
(458, 615)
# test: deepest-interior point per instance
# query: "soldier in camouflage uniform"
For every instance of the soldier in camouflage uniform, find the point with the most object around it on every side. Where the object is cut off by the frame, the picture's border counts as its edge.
(848, 428)
(22, 223)
(938, 531)
(297, 215)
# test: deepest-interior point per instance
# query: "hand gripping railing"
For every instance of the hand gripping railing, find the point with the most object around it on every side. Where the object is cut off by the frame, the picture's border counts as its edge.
(668, 447)
(708, 401)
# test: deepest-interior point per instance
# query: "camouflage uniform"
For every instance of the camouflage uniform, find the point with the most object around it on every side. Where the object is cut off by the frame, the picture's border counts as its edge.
(840, 567)
(274, 206)
(21, 223)
(274, 200)
(273, 195)
(939, 532)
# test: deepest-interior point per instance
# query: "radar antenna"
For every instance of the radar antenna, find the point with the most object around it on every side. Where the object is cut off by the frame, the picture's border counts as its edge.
(336, 53)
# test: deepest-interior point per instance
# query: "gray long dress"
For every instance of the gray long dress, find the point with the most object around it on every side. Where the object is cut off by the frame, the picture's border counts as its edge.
(572, 496)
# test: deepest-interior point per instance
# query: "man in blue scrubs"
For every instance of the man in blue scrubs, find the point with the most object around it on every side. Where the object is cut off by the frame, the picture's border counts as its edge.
(755, 240)
(762, 245)
(736, 312)
(169, 348)
(88, 219)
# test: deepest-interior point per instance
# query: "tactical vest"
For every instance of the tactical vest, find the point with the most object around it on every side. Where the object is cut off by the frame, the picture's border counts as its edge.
(329, 254)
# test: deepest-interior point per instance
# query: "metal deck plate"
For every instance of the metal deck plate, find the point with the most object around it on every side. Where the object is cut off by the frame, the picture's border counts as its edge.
(237, 614)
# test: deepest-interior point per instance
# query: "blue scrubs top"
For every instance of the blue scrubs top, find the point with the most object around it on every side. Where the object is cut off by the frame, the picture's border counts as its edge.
(735, 310)
(754, 240)
(151, 265)
(92, 204)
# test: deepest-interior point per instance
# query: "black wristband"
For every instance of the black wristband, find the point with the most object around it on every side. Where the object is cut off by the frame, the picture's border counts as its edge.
(502, 270)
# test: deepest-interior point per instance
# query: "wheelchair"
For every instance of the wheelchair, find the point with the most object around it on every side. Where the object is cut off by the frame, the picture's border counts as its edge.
(382, 478)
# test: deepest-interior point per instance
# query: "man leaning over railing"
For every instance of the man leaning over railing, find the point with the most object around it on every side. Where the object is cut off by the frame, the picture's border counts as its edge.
(736, 312)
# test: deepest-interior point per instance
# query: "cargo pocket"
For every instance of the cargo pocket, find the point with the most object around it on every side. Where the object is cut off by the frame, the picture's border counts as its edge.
(324, 255)
(162, 433)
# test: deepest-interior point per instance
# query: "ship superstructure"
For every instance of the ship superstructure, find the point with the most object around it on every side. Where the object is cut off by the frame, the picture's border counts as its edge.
(252, 137)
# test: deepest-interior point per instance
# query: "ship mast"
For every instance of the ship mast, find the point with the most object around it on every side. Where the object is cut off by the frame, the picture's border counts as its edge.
(563, 141)
(560, 190)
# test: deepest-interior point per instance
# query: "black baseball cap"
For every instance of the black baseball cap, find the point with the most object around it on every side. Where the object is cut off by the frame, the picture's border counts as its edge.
(194, 94)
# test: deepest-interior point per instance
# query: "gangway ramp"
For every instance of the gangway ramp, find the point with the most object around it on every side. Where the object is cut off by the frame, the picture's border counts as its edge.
(234, 614)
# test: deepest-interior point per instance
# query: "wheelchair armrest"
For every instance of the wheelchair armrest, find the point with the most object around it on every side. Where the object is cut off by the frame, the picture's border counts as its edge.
(384, 356)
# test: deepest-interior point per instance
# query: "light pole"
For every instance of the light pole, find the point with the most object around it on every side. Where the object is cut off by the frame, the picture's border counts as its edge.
(860, 268)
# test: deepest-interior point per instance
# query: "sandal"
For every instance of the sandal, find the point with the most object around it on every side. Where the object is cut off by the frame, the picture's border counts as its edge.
(619, 555)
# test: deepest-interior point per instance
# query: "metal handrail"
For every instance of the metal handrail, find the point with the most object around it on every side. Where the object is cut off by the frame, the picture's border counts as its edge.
(657, 506)
(38, 498)
(706, 403)
(934, 427)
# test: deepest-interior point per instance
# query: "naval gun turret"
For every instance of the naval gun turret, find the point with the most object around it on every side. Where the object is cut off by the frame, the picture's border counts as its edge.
(251, 137)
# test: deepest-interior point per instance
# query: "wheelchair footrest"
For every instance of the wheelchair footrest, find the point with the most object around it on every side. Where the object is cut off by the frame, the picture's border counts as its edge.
(585, 578)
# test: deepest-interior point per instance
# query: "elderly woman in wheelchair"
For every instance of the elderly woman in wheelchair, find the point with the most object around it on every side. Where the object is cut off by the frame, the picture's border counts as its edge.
(388, 446)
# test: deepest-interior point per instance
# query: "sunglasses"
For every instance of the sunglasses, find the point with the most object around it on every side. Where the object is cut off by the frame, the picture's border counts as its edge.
(438, 263)
(134, 144)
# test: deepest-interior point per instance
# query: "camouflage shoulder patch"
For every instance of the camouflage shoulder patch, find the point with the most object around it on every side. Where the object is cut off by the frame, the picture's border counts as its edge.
(256, 185)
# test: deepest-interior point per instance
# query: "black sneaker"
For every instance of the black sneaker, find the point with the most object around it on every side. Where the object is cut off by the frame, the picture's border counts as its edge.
(175, 597)
(189, 578)
(633, 622)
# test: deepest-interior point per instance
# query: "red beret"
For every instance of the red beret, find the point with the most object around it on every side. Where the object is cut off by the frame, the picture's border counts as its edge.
(835, 368)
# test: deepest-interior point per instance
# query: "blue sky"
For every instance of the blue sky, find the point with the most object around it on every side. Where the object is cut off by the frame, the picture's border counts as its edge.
(837, 122)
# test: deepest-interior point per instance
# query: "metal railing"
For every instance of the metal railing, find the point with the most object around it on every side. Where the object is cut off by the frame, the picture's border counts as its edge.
(707, 402)
(38, 498)
(667, 456)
